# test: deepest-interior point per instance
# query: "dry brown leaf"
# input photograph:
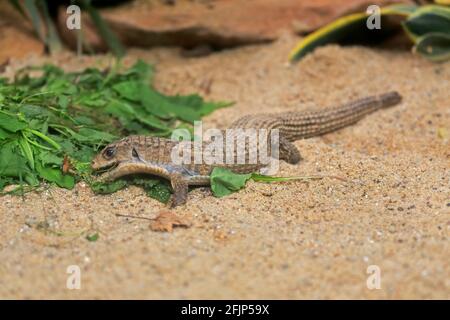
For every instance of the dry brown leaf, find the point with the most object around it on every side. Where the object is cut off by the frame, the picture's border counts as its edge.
(167, 220)
(67, 166)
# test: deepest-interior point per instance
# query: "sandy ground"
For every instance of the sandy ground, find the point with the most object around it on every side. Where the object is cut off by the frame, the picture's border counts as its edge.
(284, 241)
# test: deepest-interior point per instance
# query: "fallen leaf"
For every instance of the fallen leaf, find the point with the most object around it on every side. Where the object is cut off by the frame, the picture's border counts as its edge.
(167, 220)
(67, 166)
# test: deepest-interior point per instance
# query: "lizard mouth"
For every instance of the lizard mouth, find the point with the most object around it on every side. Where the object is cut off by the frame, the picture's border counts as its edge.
(106, 168)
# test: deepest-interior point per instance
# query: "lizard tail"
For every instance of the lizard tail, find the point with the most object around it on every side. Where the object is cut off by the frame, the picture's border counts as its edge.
(390, 99)
(299, 125)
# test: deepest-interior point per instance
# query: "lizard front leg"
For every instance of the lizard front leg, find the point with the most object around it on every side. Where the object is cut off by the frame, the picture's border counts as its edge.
(180, 188)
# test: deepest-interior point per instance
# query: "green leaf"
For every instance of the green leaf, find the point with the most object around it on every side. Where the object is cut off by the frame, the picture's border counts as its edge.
(196, 103)
(428, 19)
(151, 121)
(63, 102)
(85, 154)
(106, 188)
(225, 182)
(92, 237)
(34, 112)
(55, 175)
(49, 158)
(11, 123)
(93, 136)
(93, 99)
(155, 103)
(4, 134)
(160, 192)
(142, 70)
(12, 162)
(84, 121)
(156, 188)
(122, 110)
(209, 107)
(27, 151)
(434, 46)
(47, 139)
(130, 90)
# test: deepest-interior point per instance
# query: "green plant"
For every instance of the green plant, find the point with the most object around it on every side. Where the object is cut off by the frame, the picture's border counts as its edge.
(225, 182)
(428, 27)
(51, 125)
(37, 11)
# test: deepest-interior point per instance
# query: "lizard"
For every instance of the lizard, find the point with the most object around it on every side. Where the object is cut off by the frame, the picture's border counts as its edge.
(152, 155)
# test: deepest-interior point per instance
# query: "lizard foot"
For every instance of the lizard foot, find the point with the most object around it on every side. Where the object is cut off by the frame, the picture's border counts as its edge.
(289, 152)
(180, 191)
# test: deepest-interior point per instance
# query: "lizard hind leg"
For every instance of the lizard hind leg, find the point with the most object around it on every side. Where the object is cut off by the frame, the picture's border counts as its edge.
(289, 152)
(180, 190)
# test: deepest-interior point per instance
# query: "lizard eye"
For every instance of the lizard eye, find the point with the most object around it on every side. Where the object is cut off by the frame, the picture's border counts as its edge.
(109, 152)
(134, 153)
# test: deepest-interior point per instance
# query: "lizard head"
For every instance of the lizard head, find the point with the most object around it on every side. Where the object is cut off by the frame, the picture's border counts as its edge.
(123, 157)
(113, 154)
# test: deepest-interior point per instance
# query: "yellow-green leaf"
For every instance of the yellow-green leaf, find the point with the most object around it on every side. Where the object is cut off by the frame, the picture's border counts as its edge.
(427, 19)
(434, 46)
(350, 26)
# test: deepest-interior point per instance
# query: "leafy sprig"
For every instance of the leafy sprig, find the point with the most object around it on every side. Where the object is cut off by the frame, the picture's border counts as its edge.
(63, 118)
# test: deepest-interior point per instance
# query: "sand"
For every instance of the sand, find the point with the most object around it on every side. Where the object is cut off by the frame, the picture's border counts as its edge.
(292, 240)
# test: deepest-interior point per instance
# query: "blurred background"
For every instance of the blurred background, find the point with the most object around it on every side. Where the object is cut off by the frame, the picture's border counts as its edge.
(199, 27)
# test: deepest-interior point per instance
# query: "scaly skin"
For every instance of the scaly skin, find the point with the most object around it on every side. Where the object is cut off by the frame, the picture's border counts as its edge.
(152, 155)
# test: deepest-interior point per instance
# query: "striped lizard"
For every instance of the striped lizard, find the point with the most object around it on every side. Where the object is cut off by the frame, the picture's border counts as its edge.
(153, 155)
